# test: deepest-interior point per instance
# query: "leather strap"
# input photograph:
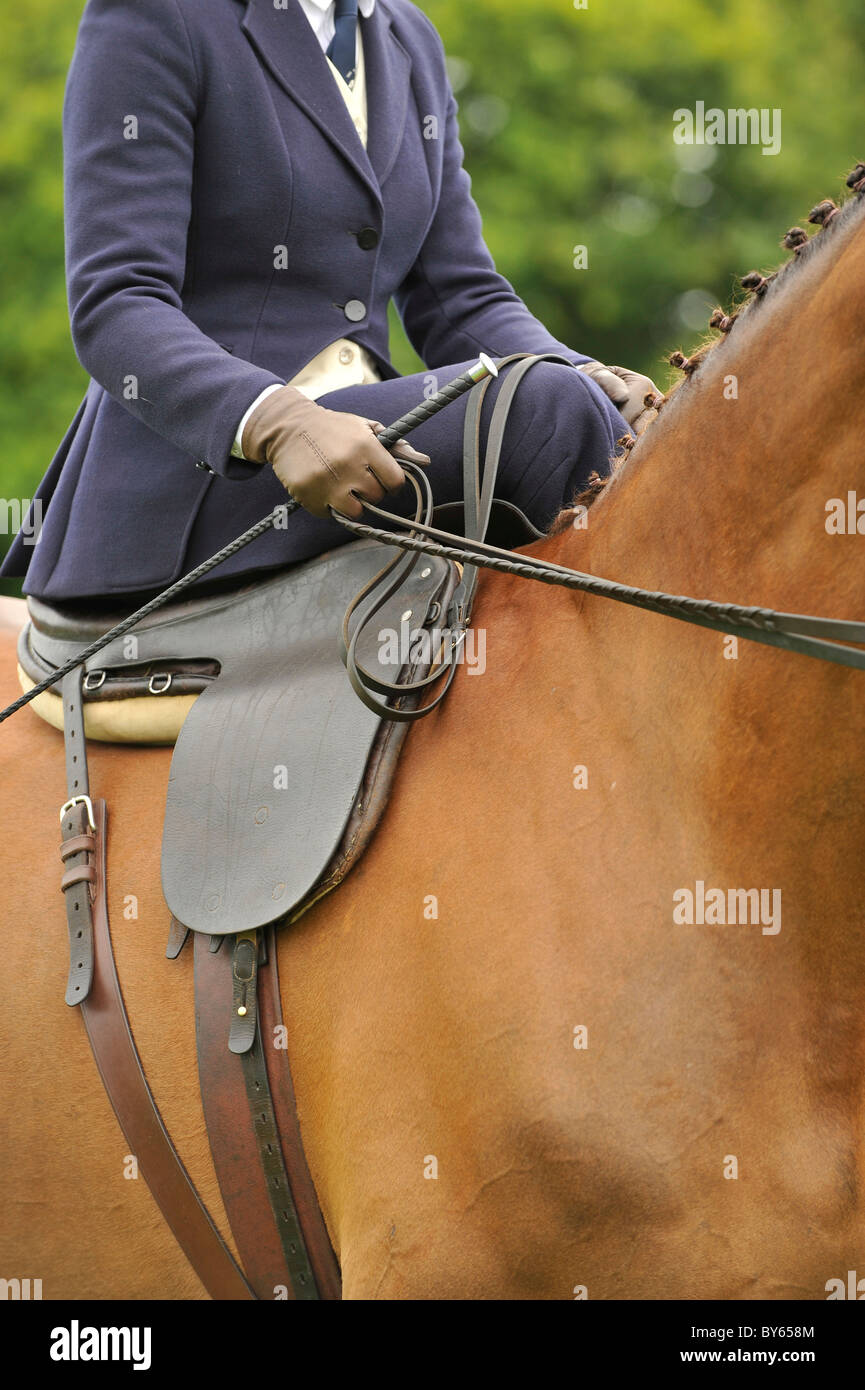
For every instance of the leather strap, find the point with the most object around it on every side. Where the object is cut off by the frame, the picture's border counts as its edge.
(76, 851)
(247, 1156)
(78, 845)
(119, 1064)
(371, 599)
(77, 780)
(283, 1210)
(322, 1258)
(244, 984)
(479, 483)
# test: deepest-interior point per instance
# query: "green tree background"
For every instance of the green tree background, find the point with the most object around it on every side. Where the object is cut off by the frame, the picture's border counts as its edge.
(566, 116)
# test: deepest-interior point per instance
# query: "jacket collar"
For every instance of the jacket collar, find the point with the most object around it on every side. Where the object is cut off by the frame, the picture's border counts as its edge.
(286, 44)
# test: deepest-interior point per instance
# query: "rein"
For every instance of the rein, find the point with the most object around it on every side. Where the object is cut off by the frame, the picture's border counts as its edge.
(795, 632)
(824, 639)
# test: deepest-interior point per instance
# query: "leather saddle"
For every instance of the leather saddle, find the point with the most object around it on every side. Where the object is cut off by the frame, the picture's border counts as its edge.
(280, 774)
(271, 757)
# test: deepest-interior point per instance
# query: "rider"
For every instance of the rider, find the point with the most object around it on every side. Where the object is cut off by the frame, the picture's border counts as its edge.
(247, 185)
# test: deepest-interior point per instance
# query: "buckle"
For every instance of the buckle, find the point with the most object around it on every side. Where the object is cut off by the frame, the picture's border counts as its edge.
(456, 620)
(93, 680)
(79, 801)
(160, 689)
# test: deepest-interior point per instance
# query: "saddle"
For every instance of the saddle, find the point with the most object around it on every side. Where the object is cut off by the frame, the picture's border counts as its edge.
(278, 779)
(273, 749)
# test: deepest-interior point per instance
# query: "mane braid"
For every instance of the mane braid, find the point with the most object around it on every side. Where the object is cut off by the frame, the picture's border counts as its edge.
(758, 287)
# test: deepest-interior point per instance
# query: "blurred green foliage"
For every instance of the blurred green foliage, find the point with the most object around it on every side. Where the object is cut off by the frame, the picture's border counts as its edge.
(566, 116)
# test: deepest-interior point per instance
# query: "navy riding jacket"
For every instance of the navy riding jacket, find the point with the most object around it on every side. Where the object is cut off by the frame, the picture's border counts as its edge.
(224, 224)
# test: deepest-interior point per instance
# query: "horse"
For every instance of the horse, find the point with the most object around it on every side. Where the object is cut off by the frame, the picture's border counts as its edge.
(529, 1061)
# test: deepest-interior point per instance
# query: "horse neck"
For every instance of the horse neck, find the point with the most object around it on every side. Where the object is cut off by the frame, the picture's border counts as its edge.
(746, 763)
(728, 490)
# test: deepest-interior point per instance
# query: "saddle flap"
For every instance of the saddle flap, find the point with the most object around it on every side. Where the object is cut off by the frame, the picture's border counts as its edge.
(272, 754)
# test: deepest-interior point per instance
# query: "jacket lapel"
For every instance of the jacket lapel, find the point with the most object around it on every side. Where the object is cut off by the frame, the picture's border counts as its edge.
(388, 74)
(286, 44)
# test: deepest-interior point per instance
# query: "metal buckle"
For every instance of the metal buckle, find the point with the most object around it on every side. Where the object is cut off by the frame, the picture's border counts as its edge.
(160, 689)
(79, 801)
(93, 680)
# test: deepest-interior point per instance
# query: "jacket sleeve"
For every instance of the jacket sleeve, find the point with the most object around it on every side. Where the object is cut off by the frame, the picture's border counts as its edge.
(128, 131)
(454, 303)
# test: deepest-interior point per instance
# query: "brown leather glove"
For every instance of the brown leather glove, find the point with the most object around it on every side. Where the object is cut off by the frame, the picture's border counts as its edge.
(628, 390)
(320, 456)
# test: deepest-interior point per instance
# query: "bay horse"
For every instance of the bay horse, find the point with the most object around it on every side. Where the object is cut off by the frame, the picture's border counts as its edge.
(521, 1071)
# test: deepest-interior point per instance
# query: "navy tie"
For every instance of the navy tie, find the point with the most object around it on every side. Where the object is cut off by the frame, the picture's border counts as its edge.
(341, 49)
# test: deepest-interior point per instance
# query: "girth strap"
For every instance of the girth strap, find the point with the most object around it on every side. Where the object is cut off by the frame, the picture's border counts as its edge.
(321, 1254)
(248, 1156)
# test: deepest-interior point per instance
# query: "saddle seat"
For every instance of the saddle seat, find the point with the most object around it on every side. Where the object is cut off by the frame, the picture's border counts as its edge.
(146, 701)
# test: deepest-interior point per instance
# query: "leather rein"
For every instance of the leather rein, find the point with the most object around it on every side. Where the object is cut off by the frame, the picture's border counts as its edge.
(822, 638)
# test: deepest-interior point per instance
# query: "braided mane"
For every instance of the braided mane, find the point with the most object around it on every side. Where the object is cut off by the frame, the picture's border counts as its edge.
(825, 215)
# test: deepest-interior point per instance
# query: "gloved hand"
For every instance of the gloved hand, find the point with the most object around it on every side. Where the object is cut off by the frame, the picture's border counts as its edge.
(321, 455)
(627, 390)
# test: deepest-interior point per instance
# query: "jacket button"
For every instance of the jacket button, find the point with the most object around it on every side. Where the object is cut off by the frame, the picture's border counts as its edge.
(355, 310)
(205, 467)
(367, 238)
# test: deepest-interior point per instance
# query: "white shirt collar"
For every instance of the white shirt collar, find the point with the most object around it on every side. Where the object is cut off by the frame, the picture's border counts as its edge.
(365, 7)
